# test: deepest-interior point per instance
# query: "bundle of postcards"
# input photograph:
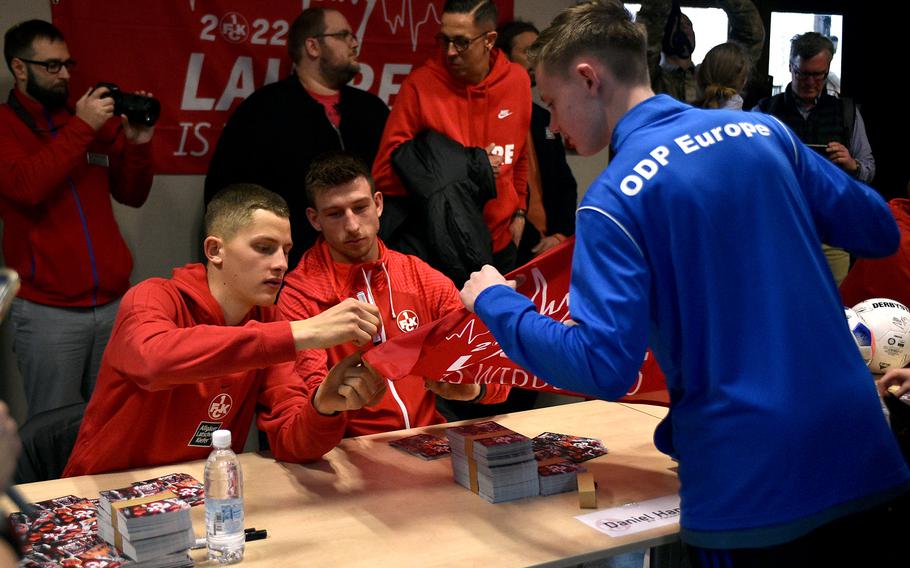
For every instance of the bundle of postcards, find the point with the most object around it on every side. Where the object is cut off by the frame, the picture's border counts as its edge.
(558, 456)
(150, 522)
(558, 476)
(493, 461)
(62, 532)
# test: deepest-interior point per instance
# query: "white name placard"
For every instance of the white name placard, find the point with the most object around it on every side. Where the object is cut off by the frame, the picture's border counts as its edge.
(634, 517)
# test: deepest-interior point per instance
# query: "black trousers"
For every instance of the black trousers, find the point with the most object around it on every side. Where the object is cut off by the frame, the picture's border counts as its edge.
(873, 538)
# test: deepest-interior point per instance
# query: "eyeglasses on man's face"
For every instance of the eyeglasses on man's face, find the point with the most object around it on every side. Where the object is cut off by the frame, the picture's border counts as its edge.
(461, 43)
(345, 35)
(52, 66)
(815, 75)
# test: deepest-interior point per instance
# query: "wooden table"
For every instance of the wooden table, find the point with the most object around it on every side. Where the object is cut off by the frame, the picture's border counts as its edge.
(658, 412)
(368, 504)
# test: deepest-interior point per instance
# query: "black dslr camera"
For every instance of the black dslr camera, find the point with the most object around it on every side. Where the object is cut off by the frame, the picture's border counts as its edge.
(139, 110)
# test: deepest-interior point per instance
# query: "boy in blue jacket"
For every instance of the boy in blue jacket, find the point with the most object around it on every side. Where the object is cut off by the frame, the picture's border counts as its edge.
(703, 240)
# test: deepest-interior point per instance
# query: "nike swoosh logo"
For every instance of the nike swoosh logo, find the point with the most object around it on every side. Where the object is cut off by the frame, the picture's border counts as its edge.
(504, 113)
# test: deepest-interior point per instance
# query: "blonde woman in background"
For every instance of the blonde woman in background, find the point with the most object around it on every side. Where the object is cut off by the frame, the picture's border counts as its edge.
(722, 77)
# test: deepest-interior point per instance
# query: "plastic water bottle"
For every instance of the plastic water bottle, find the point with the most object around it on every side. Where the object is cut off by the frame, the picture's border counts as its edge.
(223, 501)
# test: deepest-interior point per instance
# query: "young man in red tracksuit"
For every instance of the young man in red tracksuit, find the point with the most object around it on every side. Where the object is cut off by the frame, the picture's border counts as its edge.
(473, 94)
(206, 349)
(350, 261)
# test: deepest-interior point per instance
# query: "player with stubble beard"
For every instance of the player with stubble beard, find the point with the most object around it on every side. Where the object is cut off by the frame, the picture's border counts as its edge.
(349, 260)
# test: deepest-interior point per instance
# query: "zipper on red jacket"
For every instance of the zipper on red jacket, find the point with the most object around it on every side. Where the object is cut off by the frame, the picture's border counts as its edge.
(367, 275)
(88, 237)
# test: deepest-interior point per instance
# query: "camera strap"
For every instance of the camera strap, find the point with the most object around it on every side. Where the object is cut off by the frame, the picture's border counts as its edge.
(25, 117)
(20, 111)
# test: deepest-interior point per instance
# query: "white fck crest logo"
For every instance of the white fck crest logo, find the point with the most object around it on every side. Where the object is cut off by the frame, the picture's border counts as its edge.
(220, 406)
(407, 321)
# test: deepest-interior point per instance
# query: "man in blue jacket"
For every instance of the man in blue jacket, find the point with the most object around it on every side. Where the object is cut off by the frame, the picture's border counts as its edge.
(702, 240)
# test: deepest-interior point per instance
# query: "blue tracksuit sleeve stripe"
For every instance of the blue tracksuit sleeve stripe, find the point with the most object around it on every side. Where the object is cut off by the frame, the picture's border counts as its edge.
(839, 204)
(602, 354)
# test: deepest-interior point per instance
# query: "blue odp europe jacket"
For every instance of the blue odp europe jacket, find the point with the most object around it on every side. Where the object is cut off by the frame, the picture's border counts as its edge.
(702, 240)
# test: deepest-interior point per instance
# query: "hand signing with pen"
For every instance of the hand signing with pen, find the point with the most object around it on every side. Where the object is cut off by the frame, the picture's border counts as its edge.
(349, 320)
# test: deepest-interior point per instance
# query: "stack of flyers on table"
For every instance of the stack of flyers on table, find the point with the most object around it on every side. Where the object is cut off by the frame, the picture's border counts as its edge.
(149, 521)
(158, 533)
(558, 456)
(558, 477)
(182, 485)
(574, 448)
(63, 532)
(425, 446)
(493, 461)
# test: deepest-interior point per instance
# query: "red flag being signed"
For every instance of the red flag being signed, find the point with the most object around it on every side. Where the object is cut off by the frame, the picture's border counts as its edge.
(460, 349)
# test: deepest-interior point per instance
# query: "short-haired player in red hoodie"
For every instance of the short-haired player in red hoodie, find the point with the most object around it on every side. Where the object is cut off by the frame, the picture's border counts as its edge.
(207, 348)
(350, 261)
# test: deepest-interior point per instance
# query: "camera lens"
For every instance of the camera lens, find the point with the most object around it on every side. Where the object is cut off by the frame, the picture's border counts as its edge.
(140, 110)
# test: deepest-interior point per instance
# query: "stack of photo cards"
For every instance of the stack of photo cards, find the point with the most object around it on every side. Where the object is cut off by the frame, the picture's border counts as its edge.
(150, 522)
(154, 533)
(557, 476)
(424, 446)
(63, 532)
(186, 487)
(558, 456)
(493, 461)
(574, 448)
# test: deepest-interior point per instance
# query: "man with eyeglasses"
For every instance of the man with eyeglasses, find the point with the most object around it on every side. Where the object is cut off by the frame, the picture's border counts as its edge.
(470, 92)
(830, 125)
(276, 132)
(59, 168)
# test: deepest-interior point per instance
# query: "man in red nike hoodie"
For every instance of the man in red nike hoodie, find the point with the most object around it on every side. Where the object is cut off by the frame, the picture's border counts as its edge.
(206, 349)
(472, 93)
(350, 261)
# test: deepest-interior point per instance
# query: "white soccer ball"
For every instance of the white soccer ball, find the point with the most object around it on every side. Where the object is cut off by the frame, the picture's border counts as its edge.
(862, 335)
(889, 322)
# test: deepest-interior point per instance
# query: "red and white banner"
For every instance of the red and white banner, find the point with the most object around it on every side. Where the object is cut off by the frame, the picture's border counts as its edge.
(459, 348)
(201, 58)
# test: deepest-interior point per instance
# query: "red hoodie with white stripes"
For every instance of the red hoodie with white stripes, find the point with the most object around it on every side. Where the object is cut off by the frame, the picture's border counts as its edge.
(409, 293)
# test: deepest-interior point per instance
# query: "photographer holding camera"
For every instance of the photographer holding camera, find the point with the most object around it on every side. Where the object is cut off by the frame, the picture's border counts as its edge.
(59, 167)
